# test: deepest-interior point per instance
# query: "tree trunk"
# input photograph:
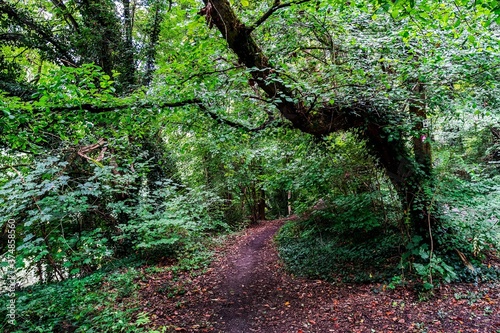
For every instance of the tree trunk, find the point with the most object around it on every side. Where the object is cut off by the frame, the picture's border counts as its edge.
(423, 160)
(261, 205)
(128, 48)
(153, 34)
(410, 172)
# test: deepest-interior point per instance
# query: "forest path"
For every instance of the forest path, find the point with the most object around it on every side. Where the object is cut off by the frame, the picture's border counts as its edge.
(246, 289)
(248, 284)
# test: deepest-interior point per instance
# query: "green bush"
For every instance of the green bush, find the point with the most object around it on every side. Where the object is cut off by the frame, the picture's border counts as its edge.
(159, 228)
(68, 226)
(317, 252)
(100, 302)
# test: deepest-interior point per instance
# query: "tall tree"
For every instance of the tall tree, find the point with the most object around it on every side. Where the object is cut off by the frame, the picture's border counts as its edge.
(382, 122)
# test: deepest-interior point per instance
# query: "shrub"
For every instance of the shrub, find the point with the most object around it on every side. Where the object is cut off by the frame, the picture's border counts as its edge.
(99, 302)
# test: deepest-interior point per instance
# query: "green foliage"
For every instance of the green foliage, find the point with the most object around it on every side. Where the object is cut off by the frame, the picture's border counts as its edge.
(352, 234)
(74, 216)
(467, 236)
(50, 210)
(100, 302)
(168, 219)
(356, 213)
(318, 252)
(36, 125)
(334, 236)
(470, 226)
(427, 265)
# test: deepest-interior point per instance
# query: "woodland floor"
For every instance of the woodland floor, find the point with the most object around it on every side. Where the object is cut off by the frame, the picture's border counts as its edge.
(246, 289)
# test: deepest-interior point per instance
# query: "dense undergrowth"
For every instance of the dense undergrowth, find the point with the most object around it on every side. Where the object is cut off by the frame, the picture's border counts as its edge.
(334, 257)
(354, 244)
(85, 228)
(100, 302)
(103, 301)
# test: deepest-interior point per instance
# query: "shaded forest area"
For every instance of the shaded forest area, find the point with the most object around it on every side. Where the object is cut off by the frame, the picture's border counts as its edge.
(136, 135)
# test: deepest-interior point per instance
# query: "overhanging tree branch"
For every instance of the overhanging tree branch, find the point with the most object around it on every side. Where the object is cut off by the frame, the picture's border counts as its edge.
(13, 166)
(91, 108)
(11, 37)
(209, 73)
(233, 124)
(322, 120)
(96, 109)
(276, 6)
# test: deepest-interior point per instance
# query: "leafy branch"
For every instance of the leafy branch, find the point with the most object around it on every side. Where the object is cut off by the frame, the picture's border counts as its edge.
(210, 73)
(277, 6)
(97, 109)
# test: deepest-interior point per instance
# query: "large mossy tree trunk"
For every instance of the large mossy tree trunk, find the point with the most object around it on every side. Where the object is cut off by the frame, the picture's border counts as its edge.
(408, 168)
(410, 173)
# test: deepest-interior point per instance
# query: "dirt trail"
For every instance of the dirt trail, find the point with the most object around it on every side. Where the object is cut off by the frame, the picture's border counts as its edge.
(242, 280)
(246, 289)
